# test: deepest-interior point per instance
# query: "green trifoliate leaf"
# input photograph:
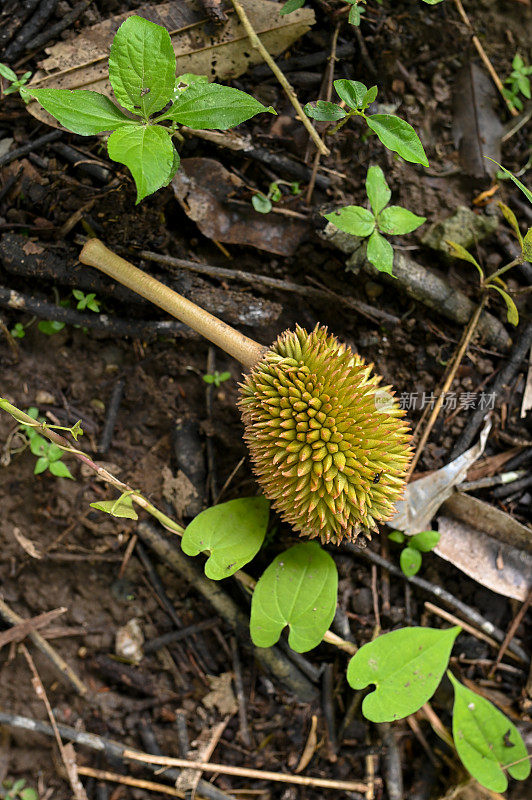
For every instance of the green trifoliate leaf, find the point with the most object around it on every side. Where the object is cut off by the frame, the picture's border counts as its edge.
(80, 111)
(142, 66)
(351, 92)
(410, 560)
(396, 220)
(353, 219)
(8, 73)
(233, 532)
(424, 541)
(323, 111)
(460, 252)
(512, 313)
(291, 5)
(380, 253)
(122, 507)
(406, 667)
(486, 741)
(60, 470)
(298, 589)
(211, 105)
(378, 191)
(399, 136)
(147, 151)
(511, 219)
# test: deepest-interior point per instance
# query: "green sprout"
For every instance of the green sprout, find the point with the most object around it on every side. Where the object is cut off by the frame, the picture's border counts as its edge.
(18, 331)
(263, 202)
(216, 378)
(16, 82)
(17, 790)
(382, 219)
(410, 558)
(48, 454)
(518, 82)
(86, 301)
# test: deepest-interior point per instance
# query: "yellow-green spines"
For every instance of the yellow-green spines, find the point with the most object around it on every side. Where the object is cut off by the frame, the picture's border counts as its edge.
(328, 445)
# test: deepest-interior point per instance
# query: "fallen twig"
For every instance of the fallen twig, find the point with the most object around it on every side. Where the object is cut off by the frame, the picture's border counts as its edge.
(19, 632)
(12, 155)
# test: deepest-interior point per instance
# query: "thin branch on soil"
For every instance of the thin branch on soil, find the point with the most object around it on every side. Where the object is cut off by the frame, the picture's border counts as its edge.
(39, 641)
(19, 632)
(482, 53)
(240, 694)
(437, 591)
(67, 753)
(53, 31)
(328, 712)
(372, 313)
(289, 91)
(12, 155)
(511, 633)
(393, 773)
(128, 780)
(451, 373)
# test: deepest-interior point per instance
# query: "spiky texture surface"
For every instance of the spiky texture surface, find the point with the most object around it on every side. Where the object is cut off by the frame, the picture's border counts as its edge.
(328, 445)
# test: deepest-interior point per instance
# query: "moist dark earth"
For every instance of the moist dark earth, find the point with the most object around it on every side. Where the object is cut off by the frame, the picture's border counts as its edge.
(58, 552)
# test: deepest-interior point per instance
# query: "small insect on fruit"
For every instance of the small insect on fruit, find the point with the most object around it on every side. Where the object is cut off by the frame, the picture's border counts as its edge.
(377, 477)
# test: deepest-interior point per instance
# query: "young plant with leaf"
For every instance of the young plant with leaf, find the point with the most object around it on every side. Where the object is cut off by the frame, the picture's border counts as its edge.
(381, 219)
(142, 73)
(15, 83)
(395, 133)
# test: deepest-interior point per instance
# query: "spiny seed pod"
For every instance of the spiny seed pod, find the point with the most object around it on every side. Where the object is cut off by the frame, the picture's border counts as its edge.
(327, 444)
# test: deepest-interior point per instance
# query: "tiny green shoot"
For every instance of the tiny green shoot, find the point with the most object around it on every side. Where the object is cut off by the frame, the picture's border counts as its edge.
(216, 378)
(16, 83)
(18, 331)
(86, 301)
(410, 558)
(518, 82)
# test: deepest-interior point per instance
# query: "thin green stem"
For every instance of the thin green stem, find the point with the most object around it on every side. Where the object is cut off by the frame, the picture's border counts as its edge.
(502, 270)
(341, 123)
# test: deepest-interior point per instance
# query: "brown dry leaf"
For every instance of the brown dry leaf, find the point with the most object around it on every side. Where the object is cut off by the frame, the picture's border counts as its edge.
(498, 566)
(221, 695)
(26, 544)
(490, 465)
(489, 519)
(204, 188)
(81, 63)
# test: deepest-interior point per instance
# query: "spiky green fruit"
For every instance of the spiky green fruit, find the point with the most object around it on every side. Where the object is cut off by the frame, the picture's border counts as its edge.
(328, 445)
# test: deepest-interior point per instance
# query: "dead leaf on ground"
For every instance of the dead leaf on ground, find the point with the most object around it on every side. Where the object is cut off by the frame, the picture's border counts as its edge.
(491, 465)
(179, 491)
(204, 187)
(81, 62)
(221, 695)
(26, 544)
(489, 519)
(477, 129)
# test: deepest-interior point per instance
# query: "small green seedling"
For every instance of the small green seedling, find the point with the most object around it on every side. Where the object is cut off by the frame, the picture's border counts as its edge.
(49, 327)
(519, 82)
(86, 301)
(17, 790)
(494, 281)
(381, 219)
(406, 667)
(216, 378)
(142, 73)
(410, 558)
(263, 203)
(18, 331)
(48, 454)
(395, 134)
(15, 82)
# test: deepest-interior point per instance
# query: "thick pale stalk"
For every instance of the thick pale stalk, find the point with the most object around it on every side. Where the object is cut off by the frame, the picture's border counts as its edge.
(96, 254)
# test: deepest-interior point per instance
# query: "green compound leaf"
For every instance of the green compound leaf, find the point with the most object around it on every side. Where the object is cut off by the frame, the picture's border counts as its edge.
(233, 532)
(298, 589)
(406, 667)
(211, 105)
(399, 136)
(147, 151)
(486, 741)
(323, 111)
(424, 541)
(351, 92)
(142, 66)
(291, 5)
(353, 219)
(377, 190)
(60, 470)
(512, 314)
(380, 253)
(80, 111)
(396, 220)
(122, 507)
(410, 561)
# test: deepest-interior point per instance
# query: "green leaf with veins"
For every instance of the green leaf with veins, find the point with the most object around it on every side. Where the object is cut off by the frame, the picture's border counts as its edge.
(395, 220)
(142, 66)
(147, 151)
(398, 136)
(122, 507)
(353, 219)
(380, 253)
(406, 667)
(488, 744)
(370, 96)
(233, 532)
(351, 92)
(377, 190)
(213, 106)
(323, 111)
(298, 589)
(80, 111)
(7, 73)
